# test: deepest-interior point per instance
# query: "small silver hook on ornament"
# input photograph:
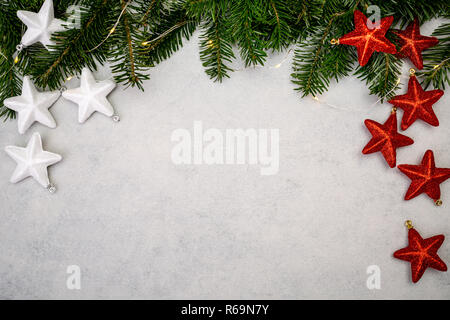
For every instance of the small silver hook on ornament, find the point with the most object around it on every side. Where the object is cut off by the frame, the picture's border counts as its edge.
(51, 188)
(15, 55)
(115, 117)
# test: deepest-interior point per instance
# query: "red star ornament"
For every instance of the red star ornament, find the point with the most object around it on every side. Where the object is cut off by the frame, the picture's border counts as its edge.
(417, 104)
(412, 43)
(425, 178)
(422, 254)
(385, 138)
(368, 40)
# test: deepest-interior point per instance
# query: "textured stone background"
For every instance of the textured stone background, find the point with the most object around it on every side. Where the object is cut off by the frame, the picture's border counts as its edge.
(141, 227)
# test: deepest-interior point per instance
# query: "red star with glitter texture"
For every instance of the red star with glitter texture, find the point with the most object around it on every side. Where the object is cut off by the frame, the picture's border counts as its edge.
(425, 178)
(417, 104)
(422, 254)
(386, 139)
(368, 40)
(412, 43)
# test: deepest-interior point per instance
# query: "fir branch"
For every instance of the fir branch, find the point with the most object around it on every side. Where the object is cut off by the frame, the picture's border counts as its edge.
(125, 43)
(150, 31)
(126, 25)
(316, 61)
(10, 28)
(279, 17)
(166, 36)
(406, 10)
(381, 74)
(215, 49)
(242, 17)
(149, 6)
(307, 16)
(307, 64)
(437, 60)
(11, 86)
(72, 50)
(206, 9)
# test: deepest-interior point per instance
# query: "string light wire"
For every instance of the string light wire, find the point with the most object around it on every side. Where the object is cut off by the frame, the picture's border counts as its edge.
(275, 66)
(6, 59)
(399, 79)
(178, 25)
(146, 43)
(111, 31)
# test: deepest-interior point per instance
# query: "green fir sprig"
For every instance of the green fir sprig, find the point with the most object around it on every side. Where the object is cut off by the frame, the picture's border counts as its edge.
(132, 36)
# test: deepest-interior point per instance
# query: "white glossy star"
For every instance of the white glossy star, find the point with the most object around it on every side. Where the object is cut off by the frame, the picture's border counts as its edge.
(32, 106)
(32, 161)
(40, 25)
(91, 96)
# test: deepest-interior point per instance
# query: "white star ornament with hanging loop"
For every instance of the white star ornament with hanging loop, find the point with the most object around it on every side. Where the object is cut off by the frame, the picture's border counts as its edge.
(40, 25)
(91, 96)
(32, 161)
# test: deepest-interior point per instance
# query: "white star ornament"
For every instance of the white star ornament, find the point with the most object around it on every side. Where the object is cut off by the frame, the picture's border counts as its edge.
(91, 96)
(32, 106)
(32, 161)
(40, 25)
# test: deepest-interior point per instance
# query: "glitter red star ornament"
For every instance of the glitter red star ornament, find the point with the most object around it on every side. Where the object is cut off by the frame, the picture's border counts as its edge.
(386, 139)
(412, 43)
(425, 178)
(368, 40)
(421, 253)
(417, 104)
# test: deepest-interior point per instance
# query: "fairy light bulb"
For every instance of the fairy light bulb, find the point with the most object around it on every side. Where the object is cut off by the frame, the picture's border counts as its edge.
(15, 56)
